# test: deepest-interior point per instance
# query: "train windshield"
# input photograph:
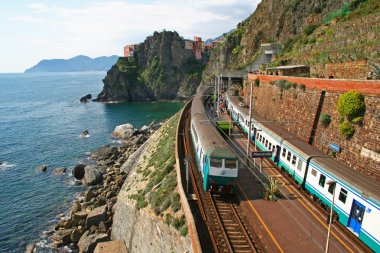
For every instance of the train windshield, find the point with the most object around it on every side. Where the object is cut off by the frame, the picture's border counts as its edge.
(217, 163)
(230, 164)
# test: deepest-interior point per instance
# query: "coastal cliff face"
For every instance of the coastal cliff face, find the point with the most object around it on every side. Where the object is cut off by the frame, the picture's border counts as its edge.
(321, 34)
(148, 216)
(161, 68)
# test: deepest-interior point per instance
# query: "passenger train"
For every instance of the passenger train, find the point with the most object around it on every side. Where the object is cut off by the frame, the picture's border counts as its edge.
(217, 163)
(357, 197)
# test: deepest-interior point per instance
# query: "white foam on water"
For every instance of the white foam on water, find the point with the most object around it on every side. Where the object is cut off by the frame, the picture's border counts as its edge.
(5, 165)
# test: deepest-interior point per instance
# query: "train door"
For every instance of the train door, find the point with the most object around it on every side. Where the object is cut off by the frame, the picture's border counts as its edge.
(356, 217)
(277, 155)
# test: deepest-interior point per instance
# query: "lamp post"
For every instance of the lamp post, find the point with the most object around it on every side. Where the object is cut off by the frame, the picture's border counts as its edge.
(331, 214)
(249, 121)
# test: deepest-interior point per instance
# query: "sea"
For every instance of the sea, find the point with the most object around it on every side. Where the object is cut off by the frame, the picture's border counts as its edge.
(41, 120)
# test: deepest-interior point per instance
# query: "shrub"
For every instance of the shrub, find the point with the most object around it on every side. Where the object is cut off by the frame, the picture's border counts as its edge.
(257, 82)
(342, 12)
(294, 85)
(271, 190)
(287, 85)
(302, 87)
(310, 29)
(325, 119)
(168, 219)
(358, 120)
(347, 130)
(183, 231)
(351, 104)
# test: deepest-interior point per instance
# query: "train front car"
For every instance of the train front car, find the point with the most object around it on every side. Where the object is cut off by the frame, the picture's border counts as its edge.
(217, 163)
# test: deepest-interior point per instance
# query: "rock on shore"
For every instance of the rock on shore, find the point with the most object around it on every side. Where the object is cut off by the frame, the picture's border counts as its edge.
(90, 218)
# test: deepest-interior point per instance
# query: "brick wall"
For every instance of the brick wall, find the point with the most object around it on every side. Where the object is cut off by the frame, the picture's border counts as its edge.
(295, 111)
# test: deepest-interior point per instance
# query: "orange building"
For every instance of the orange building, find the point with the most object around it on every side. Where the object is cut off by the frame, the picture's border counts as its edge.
(129, 50)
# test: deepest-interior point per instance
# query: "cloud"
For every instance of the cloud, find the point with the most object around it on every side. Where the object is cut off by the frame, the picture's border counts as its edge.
(26, 19)
(38, 7)
(103, 27)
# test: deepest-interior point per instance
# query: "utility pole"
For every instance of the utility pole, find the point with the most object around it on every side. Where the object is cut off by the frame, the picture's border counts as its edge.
(249, 121)
(331, 215)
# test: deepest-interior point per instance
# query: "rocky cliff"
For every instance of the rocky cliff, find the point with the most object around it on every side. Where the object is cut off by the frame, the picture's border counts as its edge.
(161, 68)
(312, 32)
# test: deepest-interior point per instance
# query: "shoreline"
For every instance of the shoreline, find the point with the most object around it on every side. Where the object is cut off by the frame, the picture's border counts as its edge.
(89, 217)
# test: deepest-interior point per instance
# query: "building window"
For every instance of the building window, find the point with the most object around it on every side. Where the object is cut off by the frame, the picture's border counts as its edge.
(289, 156)
(331, 188)
(322, 180)
(217, 163)
(343, 195)
(313, 172)
(299, 165)
(283, 152)
(294, 160)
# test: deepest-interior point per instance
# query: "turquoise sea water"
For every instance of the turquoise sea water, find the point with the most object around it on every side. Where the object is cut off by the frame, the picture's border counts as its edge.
(40, 123)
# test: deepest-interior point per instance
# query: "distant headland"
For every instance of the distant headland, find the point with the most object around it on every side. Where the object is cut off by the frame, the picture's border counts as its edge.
(78, 63)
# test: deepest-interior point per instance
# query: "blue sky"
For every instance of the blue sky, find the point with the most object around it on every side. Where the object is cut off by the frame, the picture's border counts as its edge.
(35, 30)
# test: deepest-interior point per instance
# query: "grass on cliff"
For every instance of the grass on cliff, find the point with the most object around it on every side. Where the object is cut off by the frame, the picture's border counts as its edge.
(160, 191)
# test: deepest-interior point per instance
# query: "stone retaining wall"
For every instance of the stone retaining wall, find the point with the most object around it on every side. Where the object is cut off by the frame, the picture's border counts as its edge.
(295, 111)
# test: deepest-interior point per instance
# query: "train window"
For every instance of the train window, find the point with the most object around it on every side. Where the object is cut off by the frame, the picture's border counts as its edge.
(230, 164)
(299, 165)
(266, 143)
(322, 180)
(218, 163)
(270, 146)
(343, 195)
(288, 156)
(283, 152)
(294, 160)
(313, 172)
(331, 188)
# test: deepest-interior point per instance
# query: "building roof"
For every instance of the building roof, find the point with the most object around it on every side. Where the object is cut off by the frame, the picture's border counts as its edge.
(289, 67)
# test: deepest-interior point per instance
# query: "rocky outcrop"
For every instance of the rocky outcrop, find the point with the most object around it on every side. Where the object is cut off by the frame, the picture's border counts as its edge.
(90, 218)
(161, 68)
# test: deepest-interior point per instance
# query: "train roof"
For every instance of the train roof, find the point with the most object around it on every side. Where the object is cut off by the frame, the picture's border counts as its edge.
(363, 184)
(212, 142)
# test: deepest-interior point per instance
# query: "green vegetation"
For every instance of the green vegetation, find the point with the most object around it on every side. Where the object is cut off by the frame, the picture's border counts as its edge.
(224, 127)
(347, 129)
(325, 119)
(128, 67)
(159, 192)
(342, 12)
(271, 191)
(302, 87)
(351, 105)
(310, 29)
(257, 82)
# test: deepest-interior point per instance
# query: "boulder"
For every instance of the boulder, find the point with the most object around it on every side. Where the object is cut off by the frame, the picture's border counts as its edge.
(78, 171)
(83, 99)
(90, 194)
(87, 243)
(92, 176)
(79, 218)
(144, 129)
(59, 171)
(117, 246)
(124, 131)
(88, 96)
(96, 216)
(76, 234)
(43, 167)
(76, 207)
(30, 247)
(63, 236)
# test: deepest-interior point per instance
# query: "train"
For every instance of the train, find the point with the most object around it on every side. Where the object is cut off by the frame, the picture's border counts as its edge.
(217, 163)
(357, 197)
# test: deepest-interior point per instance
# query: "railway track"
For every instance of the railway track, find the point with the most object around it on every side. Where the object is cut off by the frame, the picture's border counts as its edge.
(225, 221)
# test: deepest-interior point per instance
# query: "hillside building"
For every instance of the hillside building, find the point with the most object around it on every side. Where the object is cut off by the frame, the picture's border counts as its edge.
(129, 50)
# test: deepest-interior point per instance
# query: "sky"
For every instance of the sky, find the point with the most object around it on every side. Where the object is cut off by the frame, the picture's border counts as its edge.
(50, 29)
